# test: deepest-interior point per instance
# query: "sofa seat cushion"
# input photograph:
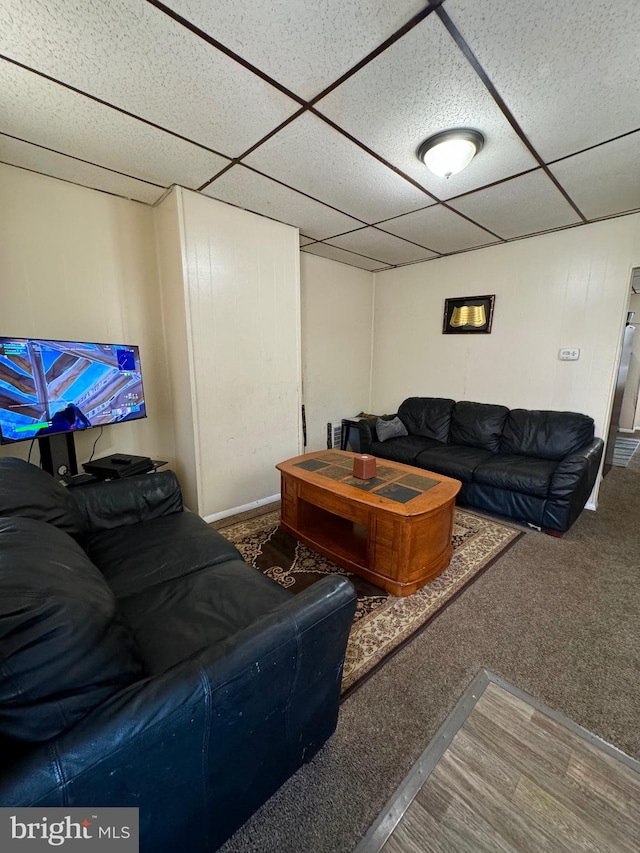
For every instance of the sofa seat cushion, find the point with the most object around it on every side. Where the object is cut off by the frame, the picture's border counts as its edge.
(404, 449)
(453, 461)
(178, 618)
(478, 425)
(544, 434)
(27, 491)
(429, 417)
(138, 556)
(528, 509)
(517, 474)
(64, 645)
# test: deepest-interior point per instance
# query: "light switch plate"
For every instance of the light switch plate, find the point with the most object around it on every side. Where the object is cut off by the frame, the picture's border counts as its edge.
(569, 354)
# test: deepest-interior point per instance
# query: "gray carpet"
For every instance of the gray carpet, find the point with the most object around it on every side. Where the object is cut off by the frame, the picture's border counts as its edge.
(559, 618)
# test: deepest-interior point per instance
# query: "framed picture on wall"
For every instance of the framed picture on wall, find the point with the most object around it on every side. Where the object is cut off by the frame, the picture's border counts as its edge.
(468, 315)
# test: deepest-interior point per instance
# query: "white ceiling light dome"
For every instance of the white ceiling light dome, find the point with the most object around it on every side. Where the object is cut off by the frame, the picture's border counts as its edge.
(450, 151)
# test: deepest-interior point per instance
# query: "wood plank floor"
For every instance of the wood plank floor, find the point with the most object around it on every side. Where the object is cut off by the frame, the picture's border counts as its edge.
(515, 779)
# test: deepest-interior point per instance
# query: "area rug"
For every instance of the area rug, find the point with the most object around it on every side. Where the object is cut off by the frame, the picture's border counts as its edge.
(383, 623)
(623, 450)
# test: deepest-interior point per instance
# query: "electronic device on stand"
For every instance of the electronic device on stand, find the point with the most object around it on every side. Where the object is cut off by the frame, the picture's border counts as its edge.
(118, 466)
(50, 390)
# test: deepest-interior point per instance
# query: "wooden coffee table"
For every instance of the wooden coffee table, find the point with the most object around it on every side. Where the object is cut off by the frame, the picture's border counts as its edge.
(394, 530)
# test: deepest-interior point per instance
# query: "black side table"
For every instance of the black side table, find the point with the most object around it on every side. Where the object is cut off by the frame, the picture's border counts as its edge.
(348, 424)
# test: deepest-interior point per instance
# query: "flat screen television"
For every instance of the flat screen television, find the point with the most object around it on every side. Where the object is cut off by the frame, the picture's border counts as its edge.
(50, 388)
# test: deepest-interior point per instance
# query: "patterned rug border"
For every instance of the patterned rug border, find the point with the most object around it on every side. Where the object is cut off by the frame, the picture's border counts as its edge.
(349, 691)
(400, 620)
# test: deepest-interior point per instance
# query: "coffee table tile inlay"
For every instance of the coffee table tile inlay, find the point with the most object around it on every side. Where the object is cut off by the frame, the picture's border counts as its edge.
(394, 530)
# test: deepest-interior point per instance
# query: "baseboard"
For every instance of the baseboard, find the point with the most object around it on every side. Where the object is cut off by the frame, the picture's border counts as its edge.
(591, 505)
(237, 509)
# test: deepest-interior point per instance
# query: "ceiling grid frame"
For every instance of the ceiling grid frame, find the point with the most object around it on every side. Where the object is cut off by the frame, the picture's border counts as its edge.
(435, 10)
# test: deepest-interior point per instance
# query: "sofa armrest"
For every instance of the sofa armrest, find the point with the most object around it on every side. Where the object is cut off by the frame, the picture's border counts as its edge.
(131, 500)
(200, 747)
(571, 485)
(367, 433)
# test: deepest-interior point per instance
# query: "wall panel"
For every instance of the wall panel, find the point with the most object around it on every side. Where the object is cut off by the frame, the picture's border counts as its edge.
(337, 314)
(78, 264)
(568, 289)
(242, 280)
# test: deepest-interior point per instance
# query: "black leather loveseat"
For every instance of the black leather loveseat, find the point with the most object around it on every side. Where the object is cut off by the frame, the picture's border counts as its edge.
(538, 467)
(143, 663)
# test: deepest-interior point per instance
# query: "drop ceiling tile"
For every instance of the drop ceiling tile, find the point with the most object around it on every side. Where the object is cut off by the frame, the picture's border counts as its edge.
(419, 86)
(440, 229)
(378, 244)
(134, 56)
(523, 205)
(305, 241)
(39, 111)
(343, 257)
(604, 180)
(316, 42)
(252, 191)
(18, 153)
(567, 70)
(316, 159)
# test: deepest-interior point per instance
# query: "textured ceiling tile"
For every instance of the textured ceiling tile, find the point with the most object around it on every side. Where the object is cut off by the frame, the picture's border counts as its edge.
(18, 153)
(386, 247)
(440, 229)
(520, 206)
(134, 56)
(335, 254)
(422, 85)
(604, 180)
(569, 71)
(316, 159)
(248, 189)
(44, 113)
(304, 46)
(305, 241)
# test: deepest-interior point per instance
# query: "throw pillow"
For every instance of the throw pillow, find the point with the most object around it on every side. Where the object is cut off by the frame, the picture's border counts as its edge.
(64, 647)
(390, 428)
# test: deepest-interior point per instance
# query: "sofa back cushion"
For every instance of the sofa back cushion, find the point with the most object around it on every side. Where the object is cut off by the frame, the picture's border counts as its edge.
(131, 500)
(478, 425)
(64, 647)
(429, 417)
(27, 491)
(546, 435)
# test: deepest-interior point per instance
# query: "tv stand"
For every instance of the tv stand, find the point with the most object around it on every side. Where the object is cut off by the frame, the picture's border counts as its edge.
(57, 451)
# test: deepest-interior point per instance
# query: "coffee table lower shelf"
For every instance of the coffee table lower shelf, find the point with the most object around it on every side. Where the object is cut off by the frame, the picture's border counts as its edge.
(399, 553)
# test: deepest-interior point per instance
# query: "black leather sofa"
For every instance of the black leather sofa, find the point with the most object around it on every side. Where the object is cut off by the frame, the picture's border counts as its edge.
(143, 663)
(537, 467)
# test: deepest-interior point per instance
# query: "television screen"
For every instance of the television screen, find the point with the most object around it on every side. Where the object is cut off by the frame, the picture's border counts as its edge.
(51, 387)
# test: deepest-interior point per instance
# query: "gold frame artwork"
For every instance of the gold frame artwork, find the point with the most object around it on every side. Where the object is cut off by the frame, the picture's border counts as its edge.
(468, 315)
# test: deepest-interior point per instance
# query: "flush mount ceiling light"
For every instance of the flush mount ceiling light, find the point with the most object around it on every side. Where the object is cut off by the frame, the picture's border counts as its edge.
(448, 152)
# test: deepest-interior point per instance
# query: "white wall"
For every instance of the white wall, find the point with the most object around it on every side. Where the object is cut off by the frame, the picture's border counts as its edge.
(568, 289)
(630, 415)
(242, 289)
(337, 306)
(78, 264)
(169, 229)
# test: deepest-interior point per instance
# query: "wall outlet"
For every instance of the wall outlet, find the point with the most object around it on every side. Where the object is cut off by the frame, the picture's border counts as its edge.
(569, 354)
